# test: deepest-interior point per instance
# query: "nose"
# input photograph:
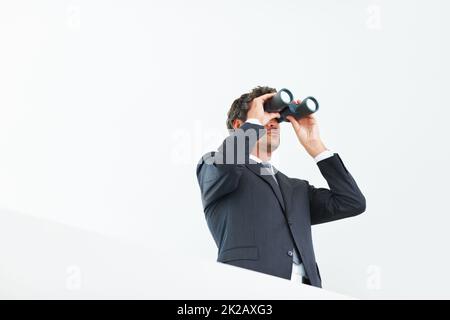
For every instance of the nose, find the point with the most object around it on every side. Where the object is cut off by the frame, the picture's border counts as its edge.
(272, 124)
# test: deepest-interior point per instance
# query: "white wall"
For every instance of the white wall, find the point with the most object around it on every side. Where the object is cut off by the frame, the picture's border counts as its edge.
(53, 261)
(105, 107)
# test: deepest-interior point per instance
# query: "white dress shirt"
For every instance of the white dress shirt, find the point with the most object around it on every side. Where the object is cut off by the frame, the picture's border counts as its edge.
(298, 270)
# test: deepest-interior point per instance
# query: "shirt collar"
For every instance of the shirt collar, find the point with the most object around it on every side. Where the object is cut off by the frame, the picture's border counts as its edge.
(255, 158)
(258, 160)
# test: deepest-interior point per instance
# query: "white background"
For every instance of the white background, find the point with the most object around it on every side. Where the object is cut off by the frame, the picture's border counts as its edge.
(106, 106)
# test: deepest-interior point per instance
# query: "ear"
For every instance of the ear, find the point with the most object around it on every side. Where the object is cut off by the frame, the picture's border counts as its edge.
(237, 123)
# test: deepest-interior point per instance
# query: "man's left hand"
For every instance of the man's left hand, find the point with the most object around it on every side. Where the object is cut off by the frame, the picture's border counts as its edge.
(307, 131)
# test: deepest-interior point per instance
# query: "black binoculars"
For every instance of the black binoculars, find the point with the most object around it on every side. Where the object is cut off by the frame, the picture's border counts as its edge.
(283, 102)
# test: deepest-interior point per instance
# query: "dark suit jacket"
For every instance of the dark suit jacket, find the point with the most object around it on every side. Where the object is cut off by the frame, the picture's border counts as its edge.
(253, 224)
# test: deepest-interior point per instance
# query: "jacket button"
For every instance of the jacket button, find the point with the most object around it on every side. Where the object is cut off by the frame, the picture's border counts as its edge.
(290, 254)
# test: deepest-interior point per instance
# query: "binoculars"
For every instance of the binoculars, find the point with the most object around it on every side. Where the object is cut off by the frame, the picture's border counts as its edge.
(283, 102)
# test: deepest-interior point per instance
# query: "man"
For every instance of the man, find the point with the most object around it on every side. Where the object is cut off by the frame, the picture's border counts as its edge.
(259, 218)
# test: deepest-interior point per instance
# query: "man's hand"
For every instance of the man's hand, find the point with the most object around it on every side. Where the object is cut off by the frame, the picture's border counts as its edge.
(256, 109)
(307, 131)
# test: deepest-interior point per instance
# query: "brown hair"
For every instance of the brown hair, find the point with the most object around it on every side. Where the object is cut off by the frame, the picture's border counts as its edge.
(239, 107)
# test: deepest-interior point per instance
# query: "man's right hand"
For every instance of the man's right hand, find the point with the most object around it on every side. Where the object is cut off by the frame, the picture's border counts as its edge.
(256, 109)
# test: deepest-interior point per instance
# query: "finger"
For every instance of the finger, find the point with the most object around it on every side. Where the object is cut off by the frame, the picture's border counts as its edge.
(294, 122)
(273, 115)
(266, 96)
(296, 126)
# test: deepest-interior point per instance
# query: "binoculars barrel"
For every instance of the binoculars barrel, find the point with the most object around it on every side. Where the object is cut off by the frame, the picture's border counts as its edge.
(283, 102)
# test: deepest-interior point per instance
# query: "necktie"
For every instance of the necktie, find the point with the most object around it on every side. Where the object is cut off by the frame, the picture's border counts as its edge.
(269, 170)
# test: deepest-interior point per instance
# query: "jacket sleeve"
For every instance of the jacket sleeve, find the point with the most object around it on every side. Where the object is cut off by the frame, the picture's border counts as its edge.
(344, 198)
(218, 173)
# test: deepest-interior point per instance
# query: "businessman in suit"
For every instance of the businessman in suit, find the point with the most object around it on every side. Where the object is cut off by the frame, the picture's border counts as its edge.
(259, 218)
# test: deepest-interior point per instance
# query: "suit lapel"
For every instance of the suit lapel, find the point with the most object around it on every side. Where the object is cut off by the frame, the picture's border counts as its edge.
(259, 170)
(286, 191)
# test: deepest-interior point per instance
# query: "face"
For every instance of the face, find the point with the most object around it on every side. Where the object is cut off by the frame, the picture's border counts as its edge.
(271, 140)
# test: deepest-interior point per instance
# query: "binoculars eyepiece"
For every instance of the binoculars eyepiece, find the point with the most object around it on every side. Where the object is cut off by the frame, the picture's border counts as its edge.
(283, 102)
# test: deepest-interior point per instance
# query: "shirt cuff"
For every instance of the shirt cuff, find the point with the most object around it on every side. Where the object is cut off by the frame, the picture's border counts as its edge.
(324, 155)
(254, 121)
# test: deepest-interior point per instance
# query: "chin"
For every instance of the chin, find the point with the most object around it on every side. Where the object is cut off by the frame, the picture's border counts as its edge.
(274, 146)
(274, 143)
